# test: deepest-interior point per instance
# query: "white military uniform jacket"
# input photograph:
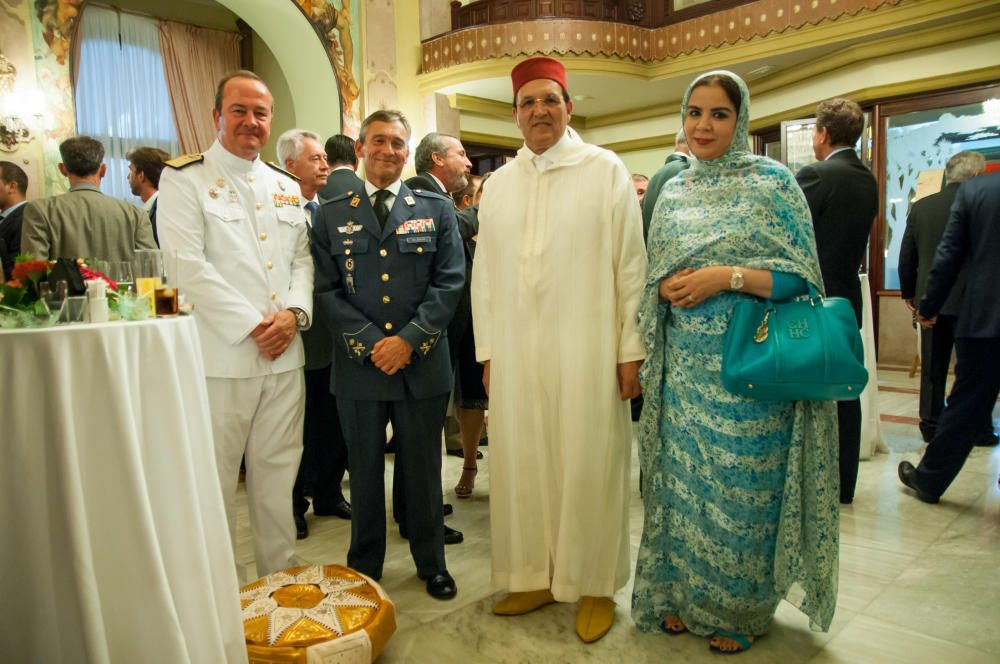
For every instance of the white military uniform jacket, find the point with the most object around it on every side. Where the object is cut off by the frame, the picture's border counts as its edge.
(242, 252)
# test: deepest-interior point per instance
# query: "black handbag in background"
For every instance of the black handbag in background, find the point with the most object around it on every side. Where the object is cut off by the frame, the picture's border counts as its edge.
(67, 270)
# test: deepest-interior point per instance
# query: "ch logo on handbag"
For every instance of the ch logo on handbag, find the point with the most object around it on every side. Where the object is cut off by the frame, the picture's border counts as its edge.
(798, 329)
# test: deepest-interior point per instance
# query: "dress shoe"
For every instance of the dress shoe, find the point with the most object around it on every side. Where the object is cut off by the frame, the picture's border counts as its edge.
(594, 618)
(341, 508)
(989, 440)
(908, 476)
(441, 586)
(447, 509)
(451, 536)
(517, 604)
(301, 527)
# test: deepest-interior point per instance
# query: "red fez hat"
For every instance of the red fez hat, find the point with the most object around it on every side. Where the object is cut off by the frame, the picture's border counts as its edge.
(540, 67)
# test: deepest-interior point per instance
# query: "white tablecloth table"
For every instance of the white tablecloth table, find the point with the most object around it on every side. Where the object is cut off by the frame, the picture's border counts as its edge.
(872, 440)
(115, 544)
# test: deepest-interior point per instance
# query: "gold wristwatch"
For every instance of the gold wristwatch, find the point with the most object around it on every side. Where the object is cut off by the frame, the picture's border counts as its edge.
(736, 279)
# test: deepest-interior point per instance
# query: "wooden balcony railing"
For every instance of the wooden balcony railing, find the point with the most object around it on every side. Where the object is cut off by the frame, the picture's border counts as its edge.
(518, 36)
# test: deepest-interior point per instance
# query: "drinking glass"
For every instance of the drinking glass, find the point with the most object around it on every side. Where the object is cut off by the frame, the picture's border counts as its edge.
(121, 274)
(76, 305)
(149, 274)
(53, 294)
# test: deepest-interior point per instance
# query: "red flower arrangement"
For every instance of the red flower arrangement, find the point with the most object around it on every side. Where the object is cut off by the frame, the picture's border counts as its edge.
(89, 274)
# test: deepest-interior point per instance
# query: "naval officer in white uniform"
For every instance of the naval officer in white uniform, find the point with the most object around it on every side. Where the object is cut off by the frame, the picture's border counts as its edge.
(244, 262)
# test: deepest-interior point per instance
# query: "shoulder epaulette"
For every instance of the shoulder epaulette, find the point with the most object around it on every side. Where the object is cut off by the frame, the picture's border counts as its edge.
(338, 197)
(281, 170)
(185, 160)
(425, 193)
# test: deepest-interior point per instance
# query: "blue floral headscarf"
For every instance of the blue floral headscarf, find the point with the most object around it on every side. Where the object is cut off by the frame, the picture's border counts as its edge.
(747, 210)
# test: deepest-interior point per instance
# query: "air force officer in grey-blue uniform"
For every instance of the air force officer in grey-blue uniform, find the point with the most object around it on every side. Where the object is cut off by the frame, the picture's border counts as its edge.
(389, 274)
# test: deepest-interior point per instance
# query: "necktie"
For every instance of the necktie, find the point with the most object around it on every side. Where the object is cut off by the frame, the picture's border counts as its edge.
(381, 209)
(312, 206)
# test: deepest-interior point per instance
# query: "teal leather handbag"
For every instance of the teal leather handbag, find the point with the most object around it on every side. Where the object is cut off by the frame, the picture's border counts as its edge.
(802, 349)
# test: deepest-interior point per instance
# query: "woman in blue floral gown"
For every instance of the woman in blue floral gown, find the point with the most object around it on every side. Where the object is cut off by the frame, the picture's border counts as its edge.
(740, 494)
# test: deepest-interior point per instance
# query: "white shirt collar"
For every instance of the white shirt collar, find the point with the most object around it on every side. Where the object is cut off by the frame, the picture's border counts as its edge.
(230, 161)
(148, 205)
(393, 188)
(836, 151)
(342, 168)
(6, 213)
(439, 183)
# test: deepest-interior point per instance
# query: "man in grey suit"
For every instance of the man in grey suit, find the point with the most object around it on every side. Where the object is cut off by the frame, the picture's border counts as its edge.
(84, 222)
(924, 228)
(971, 239)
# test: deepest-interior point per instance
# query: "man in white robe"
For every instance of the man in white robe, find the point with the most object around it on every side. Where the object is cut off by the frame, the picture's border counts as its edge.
(556, 282)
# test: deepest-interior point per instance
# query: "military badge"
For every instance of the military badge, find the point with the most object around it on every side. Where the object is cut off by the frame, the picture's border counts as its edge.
(409, 201)
(411, 226)
(355, 201)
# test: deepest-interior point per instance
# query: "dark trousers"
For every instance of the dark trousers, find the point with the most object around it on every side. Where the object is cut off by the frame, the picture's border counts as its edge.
(324, 452)
(936, 344)
(971, 402)
(849, 422)
(416, 428)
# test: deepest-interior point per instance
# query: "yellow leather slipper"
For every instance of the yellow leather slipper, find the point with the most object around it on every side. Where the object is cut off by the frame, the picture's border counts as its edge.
(594, 618)
(517, 604)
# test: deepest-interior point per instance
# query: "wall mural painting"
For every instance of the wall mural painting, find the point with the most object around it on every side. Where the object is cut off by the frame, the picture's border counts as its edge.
(337, 23)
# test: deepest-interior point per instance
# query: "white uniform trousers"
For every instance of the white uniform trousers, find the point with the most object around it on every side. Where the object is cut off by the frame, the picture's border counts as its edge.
(262, 418)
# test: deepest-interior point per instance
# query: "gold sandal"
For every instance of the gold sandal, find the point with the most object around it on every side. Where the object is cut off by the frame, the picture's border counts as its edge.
(465, 490)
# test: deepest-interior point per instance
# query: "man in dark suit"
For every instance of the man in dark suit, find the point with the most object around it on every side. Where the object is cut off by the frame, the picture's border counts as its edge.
(389, 272)
(972, 239)
(924, 228)
(324, 452)
(442, 167)
(84, 222)
(843, 200)
(13, 189)
(343, 167)
(676, 162)
(144, 168)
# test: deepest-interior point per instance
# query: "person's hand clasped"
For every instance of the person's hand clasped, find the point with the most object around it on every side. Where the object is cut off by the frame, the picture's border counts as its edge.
(628, 380)
(391, 354)
(689, 287)
(275, 333)
(926, 322)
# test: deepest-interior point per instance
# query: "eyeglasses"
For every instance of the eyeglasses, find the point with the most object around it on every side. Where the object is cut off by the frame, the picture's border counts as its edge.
(548, 101)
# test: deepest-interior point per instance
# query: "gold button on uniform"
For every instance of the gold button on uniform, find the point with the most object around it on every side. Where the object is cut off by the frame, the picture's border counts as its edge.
(263, 236)
(388, 326)
(274, 296)
(383, 253)
(250, 178)
(420, 250)
(386, 299)
(385, 277)
(269, 265)
(259, 205)
(347, 252)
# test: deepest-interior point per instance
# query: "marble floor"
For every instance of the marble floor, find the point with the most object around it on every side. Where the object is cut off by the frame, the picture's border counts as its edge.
(918, 583)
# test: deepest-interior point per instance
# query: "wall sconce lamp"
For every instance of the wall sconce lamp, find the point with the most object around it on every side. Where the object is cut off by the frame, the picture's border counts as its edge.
(14, 132)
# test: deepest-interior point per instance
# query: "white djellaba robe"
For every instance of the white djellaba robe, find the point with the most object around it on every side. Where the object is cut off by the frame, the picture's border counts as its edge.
(559, 268)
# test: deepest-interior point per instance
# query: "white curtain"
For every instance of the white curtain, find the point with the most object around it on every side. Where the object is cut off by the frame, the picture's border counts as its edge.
(121, 92)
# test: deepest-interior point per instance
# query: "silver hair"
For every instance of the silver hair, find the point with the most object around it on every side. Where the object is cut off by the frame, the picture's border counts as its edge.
(290, 144)
(964, 166)
(680, 139)
(430, 144)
